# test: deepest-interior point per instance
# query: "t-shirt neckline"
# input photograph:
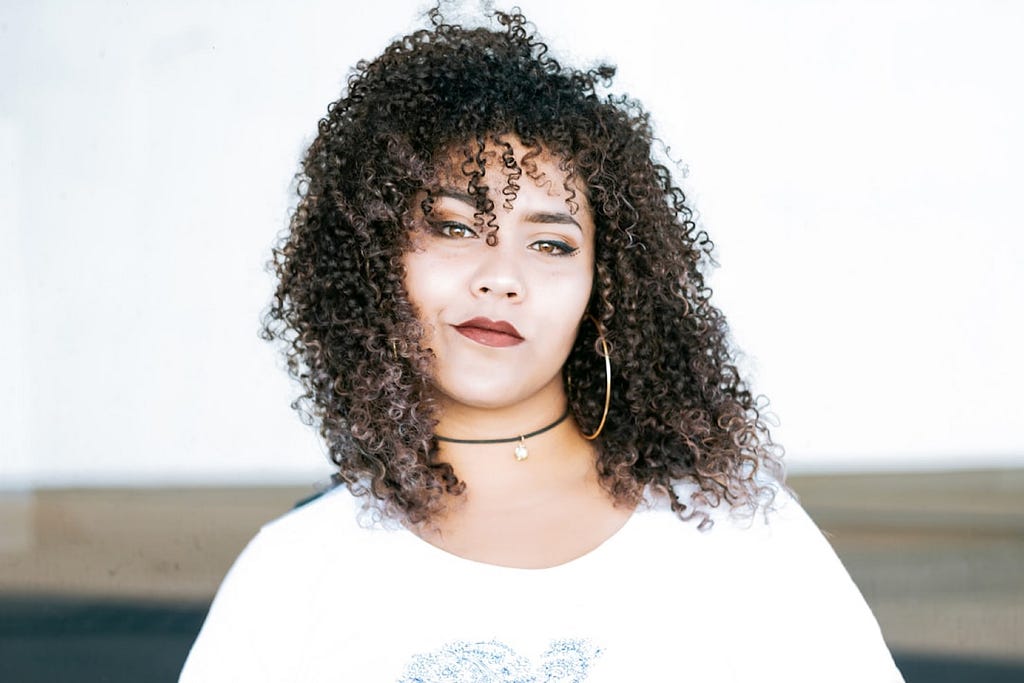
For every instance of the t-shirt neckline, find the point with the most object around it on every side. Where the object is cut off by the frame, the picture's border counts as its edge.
(431, 552)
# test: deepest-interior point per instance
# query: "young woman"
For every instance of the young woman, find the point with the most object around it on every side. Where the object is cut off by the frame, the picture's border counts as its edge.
(493, 298)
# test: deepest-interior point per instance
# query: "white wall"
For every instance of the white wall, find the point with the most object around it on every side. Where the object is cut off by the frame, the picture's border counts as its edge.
(858, 165)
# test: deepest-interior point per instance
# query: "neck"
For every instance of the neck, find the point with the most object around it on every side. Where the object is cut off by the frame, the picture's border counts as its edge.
(519, 439)
(495, 479)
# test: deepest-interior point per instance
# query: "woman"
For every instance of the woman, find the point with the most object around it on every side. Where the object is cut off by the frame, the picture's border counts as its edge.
(493, 298)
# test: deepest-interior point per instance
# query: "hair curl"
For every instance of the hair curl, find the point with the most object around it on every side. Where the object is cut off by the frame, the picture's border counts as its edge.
(680, 410)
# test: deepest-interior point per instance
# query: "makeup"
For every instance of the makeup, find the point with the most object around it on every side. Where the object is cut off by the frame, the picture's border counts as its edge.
(489, 332)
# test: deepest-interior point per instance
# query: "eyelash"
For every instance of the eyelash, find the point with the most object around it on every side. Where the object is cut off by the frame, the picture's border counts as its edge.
(444, 229)
(565, 249)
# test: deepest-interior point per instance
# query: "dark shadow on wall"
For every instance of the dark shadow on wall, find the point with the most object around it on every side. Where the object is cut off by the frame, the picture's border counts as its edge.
(71, 639)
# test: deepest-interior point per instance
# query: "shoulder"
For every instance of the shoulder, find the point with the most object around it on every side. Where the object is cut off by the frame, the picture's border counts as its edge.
(280, 582)
(290, 550)
(777, 534)
(777, 507)
(776, 563)
(334, 510)
(321, 532)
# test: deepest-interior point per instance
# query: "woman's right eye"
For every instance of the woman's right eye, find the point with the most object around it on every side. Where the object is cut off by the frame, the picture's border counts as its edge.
(454, 230)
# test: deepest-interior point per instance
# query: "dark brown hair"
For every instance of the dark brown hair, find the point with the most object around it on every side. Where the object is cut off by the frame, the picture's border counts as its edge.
(679, 409)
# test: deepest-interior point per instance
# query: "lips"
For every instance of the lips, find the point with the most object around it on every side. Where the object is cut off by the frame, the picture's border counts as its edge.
(489, 332)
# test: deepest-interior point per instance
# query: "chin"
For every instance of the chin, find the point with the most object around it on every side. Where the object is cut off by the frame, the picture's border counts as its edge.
(487, 401)
(495, 392)
(485, 394)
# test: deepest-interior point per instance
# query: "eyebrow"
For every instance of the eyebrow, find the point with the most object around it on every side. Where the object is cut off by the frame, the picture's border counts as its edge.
(553, 217)
(455, 194)
(542, 217)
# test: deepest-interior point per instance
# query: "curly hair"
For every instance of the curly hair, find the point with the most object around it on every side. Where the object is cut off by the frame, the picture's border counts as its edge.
(679, 411)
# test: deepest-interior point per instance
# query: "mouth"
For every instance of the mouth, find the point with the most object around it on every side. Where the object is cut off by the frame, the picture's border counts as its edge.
(489, 333)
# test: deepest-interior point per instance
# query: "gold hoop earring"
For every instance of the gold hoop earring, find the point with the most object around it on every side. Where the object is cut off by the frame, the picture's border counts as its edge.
(608, 379)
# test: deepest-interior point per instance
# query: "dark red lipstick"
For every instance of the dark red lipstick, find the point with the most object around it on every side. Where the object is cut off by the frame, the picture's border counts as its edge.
(489, 332)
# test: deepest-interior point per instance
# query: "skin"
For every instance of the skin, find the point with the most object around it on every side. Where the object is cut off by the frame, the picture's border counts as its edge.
(538, 276)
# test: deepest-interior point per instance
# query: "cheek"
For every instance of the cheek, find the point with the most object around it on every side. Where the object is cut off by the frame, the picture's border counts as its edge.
(417, 291)
(581, 286)
(431, 285)
(565, 302)
(588, 282)
(416, 279)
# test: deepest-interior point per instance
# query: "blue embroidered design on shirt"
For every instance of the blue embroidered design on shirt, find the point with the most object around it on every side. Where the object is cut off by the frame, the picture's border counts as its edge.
(565, 661)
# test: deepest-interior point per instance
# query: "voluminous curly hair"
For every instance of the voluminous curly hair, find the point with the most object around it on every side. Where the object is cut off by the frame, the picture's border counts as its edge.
(679, 409)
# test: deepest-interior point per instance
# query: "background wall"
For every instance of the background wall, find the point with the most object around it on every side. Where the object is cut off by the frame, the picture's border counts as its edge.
(856, 164)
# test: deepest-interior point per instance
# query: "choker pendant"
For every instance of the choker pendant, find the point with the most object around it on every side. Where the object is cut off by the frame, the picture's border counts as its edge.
(521, 451)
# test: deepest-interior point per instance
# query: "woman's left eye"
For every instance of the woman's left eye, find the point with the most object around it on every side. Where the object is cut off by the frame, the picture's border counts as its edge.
(554, 248)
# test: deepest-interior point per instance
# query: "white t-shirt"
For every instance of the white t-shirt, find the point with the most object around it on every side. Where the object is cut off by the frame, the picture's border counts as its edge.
(322, 594)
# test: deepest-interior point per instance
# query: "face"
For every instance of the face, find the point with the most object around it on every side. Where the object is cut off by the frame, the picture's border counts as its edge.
(501, 318)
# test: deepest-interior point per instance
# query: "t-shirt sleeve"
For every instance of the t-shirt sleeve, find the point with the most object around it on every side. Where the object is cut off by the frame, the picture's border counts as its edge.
(254, 614)
(226, 637)
(818, 626)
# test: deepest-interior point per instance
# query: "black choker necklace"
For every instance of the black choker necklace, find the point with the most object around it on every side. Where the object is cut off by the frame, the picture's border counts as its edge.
(520, 452)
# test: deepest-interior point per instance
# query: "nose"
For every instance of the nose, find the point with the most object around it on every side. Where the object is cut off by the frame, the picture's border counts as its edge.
(499, 274)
